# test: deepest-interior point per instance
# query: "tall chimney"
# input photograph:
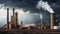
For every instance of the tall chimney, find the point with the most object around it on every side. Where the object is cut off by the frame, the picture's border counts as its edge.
(16, 18)
(21, 23)
(13, 11)
(52, 20)
(8, 18)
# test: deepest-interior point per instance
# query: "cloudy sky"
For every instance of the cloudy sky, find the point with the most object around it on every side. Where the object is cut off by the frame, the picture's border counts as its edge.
(27, 9)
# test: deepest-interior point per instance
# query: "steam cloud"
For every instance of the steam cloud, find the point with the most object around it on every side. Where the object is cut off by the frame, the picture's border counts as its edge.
(45, 6)
(41, 16)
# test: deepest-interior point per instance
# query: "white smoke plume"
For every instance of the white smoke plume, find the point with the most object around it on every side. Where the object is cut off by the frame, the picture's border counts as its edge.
(45, 6)
(40, 16)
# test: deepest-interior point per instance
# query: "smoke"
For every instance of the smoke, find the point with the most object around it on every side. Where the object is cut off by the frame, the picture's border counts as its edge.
(45, 6)
(40, 16)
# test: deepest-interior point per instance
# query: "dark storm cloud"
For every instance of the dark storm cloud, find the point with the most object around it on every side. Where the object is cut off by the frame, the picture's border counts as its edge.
(51, 1)
(30, 4)
(25, 4)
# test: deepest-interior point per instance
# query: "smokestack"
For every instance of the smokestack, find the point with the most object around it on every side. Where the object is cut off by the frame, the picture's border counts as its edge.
(16, 18)
(52, 20)
(21, 23)
(13, 11)
(8, 18)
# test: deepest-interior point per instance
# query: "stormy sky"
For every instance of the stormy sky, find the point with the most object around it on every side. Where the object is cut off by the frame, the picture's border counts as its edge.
(29, 5)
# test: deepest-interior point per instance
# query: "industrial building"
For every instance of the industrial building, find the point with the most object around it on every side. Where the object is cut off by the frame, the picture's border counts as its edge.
(13, 27)
(13, 24)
